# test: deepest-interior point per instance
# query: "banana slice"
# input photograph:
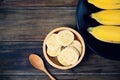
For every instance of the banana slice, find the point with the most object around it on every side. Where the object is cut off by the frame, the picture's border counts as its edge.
(53, 53)
(65, 37)
(77, 45)
(68, 56)
(52, 43)
(62, 61)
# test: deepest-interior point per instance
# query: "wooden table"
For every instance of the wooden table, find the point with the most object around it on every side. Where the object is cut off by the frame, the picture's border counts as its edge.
(23, 27)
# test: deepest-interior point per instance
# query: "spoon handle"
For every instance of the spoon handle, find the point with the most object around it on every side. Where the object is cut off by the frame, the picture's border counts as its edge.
(51, 77)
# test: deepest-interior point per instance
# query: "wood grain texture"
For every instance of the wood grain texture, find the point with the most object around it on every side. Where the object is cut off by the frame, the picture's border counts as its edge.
(14, 62)
(33, 23)
(23, 27)
(60, 77)
(14, 3)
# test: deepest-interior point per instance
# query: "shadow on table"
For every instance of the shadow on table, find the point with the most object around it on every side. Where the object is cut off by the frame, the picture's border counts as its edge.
(3, 11)
(1, 1)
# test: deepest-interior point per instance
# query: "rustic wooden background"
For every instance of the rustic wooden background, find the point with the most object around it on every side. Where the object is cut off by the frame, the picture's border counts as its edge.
(23, 27)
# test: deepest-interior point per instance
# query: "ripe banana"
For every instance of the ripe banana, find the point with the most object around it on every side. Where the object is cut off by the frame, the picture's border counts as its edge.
(65, 37)
(52, 43)
(77, 45)
(107, 17)
(110, 34)
(68, 56)
(106, 4)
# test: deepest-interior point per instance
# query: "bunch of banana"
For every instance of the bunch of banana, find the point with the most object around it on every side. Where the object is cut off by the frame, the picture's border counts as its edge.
(64, 47)
(106, 4)
(104, 33)
(107, 17)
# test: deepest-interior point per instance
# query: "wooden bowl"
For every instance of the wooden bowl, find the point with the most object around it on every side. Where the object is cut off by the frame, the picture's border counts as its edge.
(53, 60)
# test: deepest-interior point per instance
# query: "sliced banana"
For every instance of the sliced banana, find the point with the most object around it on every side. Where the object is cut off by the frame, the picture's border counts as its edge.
(53, 53)
(65, 37)
(77, 45)
(62, 61)
(52, 43)
(68, 56)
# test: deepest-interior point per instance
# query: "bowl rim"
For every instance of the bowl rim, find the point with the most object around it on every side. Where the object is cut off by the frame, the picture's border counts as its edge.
(75, 33)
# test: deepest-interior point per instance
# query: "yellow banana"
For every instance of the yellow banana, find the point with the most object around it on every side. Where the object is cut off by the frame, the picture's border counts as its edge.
(106, 4)
(107, 17)
(104, 33)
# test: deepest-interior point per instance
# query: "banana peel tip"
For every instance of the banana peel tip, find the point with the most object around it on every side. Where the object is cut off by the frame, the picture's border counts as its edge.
(90, 29)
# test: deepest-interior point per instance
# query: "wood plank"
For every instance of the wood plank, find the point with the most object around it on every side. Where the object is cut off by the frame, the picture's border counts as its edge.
(33, 23)
(73, 77)
(14, 3)
(14, 61)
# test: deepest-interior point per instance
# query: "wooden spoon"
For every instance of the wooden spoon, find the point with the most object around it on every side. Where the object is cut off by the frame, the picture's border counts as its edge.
(37, 62)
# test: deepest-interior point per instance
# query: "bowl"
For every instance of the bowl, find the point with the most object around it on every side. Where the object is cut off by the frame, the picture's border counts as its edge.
(53, 60)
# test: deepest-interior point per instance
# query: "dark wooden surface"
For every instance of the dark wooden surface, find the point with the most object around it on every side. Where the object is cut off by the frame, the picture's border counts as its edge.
(23, 27)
